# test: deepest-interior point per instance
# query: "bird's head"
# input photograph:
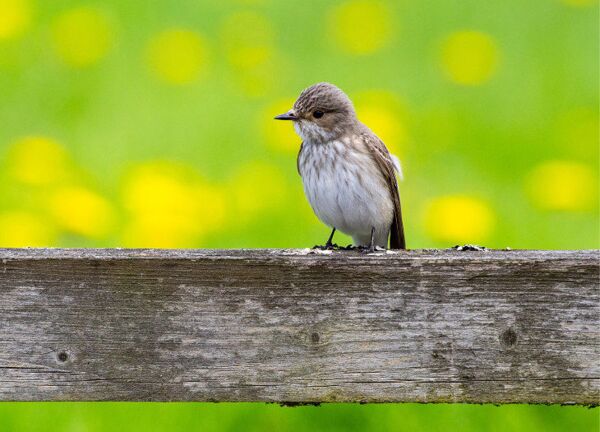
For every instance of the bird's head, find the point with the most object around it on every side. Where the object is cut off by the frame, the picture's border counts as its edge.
(321, 113)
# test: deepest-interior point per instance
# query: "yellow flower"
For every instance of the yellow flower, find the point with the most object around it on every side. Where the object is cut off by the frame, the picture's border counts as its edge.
(562, 185)
(82, 36)
(82, 211)
(469, 57)
(23, 229)
(15, 18)
(38, 160)
(383, 113)
(178, 56)
(360, 27)
(170, 206)
(248, 42)
(247, 39)
(458, 219)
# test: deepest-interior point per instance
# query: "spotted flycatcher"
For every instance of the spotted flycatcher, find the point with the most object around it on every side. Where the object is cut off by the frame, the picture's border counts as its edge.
(349, 175)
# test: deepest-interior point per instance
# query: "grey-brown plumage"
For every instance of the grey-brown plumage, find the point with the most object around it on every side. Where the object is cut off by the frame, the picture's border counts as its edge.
(349, 176)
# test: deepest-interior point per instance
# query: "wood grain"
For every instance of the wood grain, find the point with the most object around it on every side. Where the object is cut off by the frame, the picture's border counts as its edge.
(300, 326)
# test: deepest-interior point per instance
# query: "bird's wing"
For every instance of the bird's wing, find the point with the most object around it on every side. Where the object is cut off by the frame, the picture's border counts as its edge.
(298, 159)
(385, 162)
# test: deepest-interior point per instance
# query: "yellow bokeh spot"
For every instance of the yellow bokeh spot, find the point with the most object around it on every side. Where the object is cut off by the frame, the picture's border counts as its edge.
(22, 229)
(562, 185)
(82, 36)
(383, 113)
(170, 206)
(81, 211)
(580, 3)
(257, 188)
(360, 27)
(15, 18)
(258, 81)
(178, 56)
(247, 39)
(279, 135)
(38, 161)
(469, 57)
(386, 125)
(458, 219)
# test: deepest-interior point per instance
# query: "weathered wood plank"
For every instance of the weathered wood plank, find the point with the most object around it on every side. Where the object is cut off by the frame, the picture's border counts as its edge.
(288, 325)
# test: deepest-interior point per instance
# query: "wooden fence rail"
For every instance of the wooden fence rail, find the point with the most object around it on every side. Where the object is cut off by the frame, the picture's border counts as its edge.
(300, 326)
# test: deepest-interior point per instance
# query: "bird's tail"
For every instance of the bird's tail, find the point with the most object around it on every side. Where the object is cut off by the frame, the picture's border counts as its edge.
(397, 240)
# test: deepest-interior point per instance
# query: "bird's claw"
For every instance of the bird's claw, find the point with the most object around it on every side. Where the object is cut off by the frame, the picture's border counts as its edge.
(362, 249)
(327, 246)
(469, 247)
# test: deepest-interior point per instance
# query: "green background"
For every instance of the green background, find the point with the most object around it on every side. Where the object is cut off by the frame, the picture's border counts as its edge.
(149, 124)
(118, 417)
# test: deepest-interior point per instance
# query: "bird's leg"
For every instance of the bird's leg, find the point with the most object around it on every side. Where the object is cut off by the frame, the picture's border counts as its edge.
(371, 248)
(329, 245)
(372, 245)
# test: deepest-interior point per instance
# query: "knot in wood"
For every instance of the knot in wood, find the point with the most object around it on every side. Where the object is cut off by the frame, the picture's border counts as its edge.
(508, 338)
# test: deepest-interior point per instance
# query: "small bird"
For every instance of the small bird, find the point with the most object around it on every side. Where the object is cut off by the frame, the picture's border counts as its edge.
(349, 176)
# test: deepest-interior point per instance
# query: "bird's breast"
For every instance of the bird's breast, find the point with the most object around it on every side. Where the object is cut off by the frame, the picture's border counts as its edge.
(344, 186)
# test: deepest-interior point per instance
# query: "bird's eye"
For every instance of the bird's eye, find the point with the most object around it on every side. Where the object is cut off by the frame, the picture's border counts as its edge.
(318, 114)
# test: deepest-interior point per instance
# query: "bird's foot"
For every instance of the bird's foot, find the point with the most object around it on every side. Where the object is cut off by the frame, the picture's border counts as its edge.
(370, 249)
(469, 247)
(328, 246)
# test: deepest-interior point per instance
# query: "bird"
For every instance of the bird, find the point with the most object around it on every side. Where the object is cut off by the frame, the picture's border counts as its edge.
(348, 174)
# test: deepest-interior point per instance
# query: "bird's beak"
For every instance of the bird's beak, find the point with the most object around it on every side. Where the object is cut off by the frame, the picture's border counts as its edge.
(287, 116)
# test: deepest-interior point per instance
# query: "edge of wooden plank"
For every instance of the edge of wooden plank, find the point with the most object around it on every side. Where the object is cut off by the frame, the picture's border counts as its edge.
(123, 253)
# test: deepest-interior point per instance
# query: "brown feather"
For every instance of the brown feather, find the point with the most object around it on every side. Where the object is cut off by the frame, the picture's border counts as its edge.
(298, 159)
(384, 161)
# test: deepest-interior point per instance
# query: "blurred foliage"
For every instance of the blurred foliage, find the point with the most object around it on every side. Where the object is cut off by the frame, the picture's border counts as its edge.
(250, 417)
(149, 124)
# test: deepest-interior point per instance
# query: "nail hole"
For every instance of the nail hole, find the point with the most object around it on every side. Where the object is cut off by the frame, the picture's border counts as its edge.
(62, 356)
(315, 337)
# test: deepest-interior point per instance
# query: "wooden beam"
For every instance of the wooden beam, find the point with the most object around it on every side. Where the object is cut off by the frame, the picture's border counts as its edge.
(300, 326)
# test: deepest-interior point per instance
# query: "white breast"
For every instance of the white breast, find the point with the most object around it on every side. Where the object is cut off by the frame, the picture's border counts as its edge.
(346, 190)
